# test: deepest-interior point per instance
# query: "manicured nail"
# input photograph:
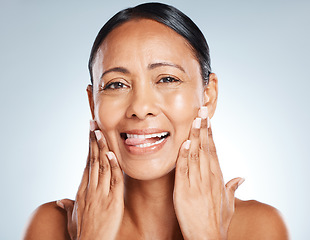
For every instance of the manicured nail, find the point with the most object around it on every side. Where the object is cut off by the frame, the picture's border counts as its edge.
(187, 144)
(110, 155)
(197, 123)
(207, 98)
(92, 125)
(60, 204)
(209, 123)
(203, 112)
(241, 181)
(98, 134)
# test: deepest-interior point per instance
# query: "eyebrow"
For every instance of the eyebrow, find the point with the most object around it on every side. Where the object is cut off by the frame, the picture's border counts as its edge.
(163, 64)
(115, 69)
(150, 66)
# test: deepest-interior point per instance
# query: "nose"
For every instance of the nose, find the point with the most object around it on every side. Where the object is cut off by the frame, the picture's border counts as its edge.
(143, 103)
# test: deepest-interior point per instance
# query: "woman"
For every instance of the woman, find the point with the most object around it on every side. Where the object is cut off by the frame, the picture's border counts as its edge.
(152, 170)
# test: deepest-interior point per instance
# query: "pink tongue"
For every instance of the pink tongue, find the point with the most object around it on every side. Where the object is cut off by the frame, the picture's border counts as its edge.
(138, 141)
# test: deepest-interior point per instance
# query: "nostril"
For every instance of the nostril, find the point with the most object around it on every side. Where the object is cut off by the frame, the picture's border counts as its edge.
(148, 114)
(141, 107)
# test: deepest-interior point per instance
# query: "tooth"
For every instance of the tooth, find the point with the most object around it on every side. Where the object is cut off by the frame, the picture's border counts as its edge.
(140, 136)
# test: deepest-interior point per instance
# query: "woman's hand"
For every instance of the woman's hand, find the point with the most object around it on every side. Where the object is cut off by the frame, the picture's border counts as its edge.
(204, 205)
(99, 206)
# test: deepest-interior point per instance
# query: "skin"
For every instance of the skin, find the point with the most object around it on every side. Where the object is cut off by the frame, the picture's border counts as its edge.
(176, 192)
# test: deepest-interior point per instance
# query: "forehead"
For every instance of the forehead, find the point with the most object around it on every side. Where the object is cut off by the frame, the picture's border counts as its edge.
(144, 41)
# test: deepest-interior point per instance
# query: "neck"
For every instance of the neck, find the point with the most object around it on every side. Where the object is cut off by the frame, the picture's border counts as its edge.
(149, 207)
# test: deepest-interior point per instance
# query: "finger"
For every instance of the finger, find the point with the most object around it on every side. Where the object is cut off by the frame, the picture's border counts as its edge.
(93, 125)
(204, 147)
(181, 168)
(203, 114)
(84, 182)
(80, 195)
(67, 205)
(209, 164)
(116, 182)
(214, 163)
(193, 158)
(232, 186)
(94, 161)
(104, 165)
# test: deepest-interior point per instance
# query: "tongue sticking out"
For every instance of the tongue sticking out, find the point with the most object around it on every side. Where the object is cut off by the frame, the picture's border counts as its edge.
(138, 141)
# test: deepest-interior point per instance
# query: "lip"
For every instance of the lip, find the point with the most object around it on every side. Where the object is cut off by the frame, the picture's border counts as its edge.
(145, 150)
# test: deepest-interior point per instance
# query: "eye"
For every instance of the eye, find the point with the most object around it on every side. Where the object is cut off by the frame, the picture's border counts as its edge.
(115, 85)
(168, 80)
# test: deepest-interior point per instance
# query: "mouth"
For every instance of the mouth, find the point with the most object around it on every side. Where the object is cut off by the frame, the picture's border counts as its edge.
(140, 141)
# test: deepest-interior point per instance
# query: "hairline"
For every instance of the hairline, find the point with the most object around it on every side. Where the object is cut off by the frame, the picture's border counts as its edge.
(139, 18)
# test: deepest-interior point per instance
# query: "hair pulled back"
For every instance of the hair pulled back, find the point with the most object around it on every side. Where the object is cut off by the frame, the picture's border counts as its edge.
(167, 15)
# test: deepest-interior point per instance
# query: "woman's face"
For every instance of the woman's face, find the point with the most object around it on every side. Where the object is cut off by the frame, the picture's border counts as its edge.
(147, 90)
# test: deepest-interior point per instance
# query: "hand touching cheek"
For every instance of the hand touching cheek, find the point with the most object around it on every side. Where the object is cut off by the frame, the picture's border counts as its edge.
(99, 206)
(204, 205)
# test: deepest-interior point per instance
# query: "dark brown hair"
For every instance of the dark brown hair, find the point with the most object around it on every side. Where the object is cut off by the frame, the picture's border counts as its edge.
(167, 15)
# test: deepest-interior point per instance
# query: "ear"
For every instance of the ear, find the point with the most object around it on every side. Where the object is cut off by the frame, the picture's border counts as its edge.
(89, 90)
(210, 94)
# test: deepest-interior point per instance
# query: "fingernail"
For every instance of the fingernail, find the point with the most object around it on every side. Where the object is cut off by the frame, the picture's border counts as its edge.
(92, 125)
(209, 123)
(60, 204)
(197, 123)
(187, 144)
(203, 112)
(110, 155)
(241, 181)
(98, 134)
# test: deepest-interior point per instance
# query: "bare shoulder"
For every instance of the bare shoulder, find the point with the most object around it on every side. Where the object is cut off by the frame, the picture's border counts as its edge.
(253, 220)
(48, 221)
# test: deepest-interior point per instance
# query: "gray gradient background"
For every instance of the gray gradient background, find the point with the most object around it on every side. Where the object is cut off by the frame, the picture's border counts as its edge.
(259, 50)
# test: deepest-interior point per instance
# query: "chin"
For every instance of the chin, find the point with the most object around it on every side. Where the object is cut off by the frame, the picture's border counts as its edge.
(148, 173)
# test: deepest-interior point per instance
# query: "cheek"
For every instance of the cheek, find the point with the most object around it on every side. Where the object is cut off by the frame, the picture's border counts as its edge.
(107, 114)
(182, 107)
